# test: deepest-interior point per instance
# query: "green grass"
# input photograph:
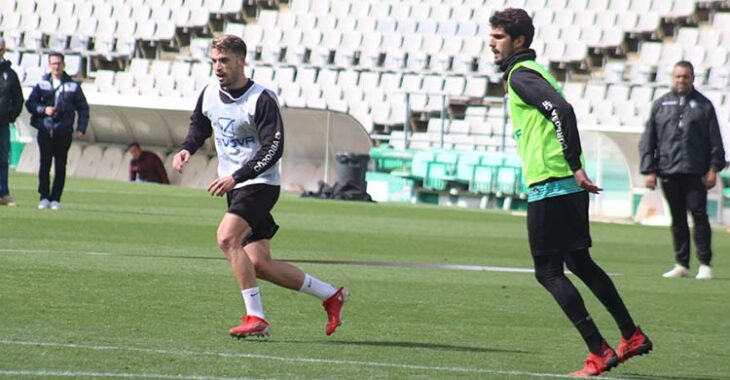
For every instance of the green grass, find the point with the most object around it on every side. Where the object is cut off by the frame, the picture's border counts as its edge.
(126, 281)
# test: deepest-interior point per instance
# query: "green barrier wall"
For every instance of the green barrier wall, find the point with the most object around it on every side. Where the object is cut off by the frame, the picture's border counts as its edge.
(16, 147)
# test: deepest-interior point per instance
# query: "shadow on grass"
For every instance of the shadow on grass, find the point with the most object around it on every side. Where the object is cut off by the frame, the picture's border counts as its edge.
(403, 344)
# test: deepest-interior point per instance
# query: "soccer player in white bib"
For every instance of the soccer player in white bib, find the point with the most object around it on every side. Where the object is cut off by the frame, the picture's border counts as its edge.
(244, 119)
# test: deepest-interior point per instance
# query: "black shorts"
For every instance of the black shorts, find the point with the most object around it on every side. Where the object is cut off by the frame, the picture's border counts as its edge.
(253, 203)
(559, 224)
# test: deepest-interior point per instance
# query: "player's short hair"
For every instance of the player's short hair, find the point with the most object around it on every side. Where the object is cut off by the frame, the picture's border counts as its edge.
(133, 145)
(56, 54)
(230, 43)
(515, 22)
(686, 65)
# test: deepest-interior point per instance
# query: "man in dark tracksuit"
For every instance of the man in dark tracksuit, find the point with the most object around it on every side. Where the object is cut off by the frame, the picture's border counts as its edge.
(53, 104)
(11, 103)
(682, 145)
(548, 143)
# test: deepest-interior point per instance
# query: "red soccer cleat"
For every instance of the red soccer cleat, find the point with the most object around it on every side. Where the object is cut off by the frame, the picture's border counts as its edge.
(598, 364)
(333, 307)
(639, 344)
(251, 326)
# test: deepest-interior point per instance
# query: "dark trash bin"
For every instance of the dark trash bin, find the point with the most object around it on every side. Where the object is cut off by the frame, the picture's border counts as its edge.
(351, 168)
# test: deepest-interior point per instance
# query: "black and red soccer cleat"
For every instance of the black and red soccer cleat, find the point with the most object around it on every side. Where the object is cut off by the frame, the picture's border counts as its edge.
(596, 364)
(333, 307)
(251, 326)
(639, 344)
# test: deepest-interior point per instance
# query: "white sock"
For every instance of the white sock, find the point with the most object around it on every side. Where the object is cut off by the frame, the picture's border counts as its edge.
(252, 300)
(317, 288)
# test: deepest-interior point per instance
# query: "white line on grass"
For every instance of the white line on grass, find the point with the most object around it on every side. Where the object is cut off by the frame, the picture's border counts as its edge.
(293, 359)
(116, 375)
(477, 268)
(484, 268)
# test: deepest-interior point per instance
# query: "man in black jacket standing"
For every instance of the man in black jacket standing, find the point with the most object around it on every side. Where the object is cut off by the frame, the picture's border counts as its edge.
(53, 104)
(11, 103)
(682, 146)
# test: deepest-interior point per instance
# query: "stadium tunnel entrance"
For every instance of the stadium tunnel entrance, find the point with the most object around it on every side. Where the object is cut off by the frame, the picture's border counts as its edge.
(313, 138)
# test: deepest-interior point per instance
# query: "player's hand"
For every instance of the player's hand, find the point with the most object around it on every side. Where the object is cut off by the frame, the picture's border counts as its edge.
(583, 181)
(49, 111)
(78, 134)
(710, 179)
(650, 181)
(221, 186)
(180, 159)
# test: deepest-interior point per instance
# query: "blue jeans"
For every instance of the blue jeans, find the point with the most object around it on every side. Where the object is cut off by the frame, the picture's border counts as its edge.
(4, 158)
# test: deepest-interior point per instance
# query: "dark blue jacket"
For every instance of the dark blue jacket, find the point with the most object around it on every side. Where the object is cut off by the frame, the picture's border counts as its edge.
(11, 96)
(68, 100)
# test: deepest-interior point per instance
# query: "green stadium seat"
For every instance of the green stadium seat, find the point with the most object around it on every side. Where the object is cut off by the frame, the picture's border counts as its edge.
(465, 168)
(485, 174)
(509, 177)
(507, 181)
(418, 169)
(419, 165)
(387, 159)
(442, 170)
(483, 180)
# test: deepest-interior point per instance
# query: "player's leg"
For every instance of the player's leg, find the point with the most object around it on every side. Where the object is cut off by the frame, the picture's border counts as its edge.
(274, 271)
(44, 172)
(582, 265)
(554, 224)
(633, 340)
(697, 205)
(675, 193)
(231, 232)
(60, 147)
(550, 274)
(291, 277)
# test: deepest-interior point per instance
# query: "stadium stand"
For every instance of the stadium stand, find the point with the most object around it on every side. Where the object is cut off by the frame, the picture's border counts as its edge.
(398, 67)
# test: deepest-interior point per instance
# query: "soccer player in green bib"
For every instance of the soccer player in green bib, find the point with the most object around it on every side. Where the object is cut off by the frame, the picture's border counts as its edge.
(548, 143)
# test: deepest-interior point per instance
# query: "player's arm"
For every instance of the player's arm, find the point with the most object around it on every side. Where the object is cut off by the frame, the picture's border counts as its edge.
(717, 151)
(17, 94)
(648, 149)
(199, 130)
(537, 92)
(34, 104)
(271, 134)
(82, 110)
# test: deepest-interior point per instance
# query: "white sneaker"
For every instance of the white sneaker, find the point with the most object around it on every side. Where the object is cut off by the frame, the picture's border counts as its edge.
(55, 205)
(678, 271)
(704, 273)
(44, 204)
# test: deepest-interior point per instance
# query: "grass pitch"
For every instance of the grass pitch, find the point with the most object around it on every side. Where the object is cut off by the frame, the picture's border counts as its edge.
(125, 281)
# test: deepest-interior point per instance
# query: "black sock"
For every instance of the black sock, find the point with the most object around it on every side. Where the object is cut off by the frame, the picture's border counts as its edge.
(588, 330)
(627, 328)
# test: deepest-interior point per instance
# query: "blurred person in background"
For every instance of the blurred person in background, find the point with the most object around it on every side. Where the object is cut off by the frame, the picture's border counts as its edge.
(53, 104)
(11, 104)
(146, 166)
(681, 147)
